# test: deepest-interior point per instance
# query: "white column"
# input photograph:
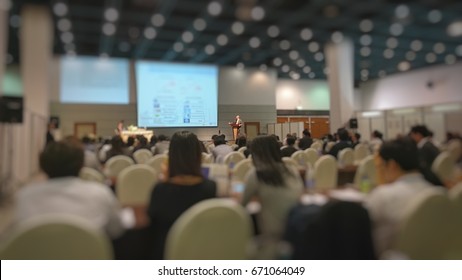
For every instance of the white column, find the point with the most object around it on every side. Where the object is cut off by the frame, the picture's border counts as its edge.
(340, 62)
(36, 54)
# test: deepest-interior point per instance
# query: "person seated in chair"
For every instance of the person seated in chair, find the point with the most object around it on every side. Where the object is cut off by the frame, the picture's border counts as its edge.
(184, 187)
(65, 193)
(398, 167)
(343, 142)
(288, 150)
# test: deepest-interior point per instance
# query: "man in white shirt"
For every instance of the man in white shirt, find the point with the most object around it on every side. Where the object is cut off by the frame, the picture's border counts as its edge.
(397, 165)
(221, 149)
(65, 193)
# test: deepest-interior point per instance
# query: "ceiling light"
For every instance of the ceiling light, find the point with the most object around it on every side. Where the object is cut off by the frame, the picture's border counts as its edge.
(109, 29)
(459, 50)
(214, 8)
(222, 39)
(178, 47)
(371, 114)
(434, 16)
(187, 37)
(365, 51)
(403, 111)
(199, 24)
(150, 33)
(396, 29)
(209, 49)
(273, 31)
(382, 73)
(60, 9)
(446, 108)
(263, 67)
(64, 25)
(404, 66)
(392, 43)
(326, 70)
(439, 48)
(416, 45)
(301, 62)
(284, 45)
(306, 34)
(365, 72)
(285, 68)
(365, 40)
(388, 53)
(337, 37)
(67, 37)
(306, 69)
(277, 61)
(158, 20)
(254, 42)
(430, 57)
(237, 28)
(455, 29)
(313, 47)
(124, 46)
(296, 76)
(257, 13)
(111, 14)
(402, 11)
(318, 56)
(410, 55)
(15, 21)
(450, 59)
(240, 66)
(69, 47)
(366, 25)
(311, 75)
(293, 54)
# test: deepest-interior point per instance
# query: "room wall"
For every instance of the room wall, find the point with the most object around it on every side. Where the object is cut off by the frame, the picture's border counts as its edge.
(407, 90)
(309, 94)
(249, 93)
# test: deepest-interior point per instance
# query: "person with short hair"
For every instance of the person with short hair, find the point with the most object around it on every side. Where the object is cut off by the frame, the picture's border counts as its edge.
(288, 150)
(398, 170)
(306, 141)
(65, 193)
(184, 187)
(221, 149)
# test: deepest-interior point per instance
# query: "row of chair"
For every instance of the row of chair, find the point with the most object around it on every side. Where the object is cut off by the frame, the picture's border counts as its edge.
(211, 229)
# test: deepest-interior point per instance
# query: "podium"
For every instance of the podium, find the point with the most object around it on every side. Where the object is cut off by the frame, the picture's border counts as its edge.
(235, 128)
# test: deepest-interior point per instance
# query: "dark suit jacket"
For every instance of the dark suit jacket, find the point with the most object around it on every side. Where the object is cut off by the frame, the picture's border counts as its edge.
(427, 155)
(288, 151)
(338, 147)
(305, 143)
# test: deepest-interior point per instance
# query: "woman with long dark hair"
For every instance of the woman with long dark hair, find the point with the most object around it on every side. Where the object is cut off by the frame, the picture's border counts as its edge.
(274, 184)
(184, 187)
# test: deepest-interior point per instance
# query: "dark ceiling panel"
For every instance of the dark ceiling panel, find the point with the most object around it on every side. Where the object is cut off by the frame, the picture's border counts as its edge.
(413, 31)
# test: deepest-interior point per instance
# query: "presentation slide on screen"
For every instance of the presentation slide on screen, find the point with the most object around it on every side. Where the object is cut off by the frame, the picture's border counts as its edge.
(176, 95)
(94, 80)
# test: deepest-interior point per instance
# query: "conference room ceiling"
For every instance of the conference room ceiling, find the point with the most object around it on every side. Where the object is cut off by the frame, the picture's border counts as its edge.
(389, 36)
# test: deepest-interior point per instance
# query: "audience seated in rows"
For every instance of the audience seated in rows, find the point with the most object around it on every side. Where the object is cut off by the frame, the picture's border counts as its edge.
(376, 140)
(65, 193)
(398, 165)
(277, 187)
(183, 187)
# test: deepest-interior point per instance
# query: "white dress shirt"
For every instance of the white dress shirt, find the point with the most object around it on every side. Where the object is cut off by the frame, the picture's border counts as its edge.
(387, 205)
(91, 201)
